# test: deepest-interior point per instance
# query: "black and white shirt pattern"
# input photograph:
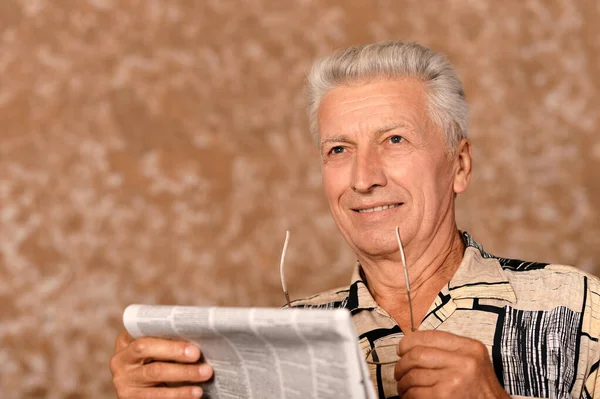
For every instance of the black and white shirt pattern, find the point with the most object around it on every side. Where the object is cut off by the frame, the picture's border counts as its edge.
(540, 322)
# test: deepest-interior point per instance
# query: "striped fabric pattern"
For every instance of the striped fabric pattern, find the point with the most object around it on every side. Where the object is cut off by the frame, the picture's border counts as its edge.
(540, 344)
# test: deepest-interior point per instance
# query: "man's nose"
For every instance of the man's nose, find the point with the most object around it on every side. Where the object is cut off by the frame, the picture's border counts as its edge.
(368, 171)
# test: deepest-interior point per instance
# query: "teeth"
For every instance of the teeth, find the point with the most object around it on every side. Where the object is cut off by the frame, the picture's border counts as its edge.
(378, 208)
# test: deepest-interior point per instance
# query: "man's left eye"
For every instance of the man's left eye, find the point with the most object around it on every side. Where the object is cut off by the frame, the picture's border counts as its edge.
(396, 139)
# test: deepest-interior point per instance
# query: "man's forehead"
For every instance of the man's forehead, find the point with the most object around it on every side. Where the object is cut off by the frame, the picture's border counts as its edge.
(373, 108)
(373, 98)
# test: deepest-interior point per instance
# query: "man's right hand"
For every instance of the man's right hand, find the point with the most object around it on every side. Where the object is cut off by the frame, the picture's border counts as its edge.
(142, 367)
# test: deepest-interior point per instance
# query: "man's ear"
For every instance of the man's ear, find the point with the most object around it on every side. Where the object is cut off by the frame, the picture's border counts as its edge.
(462, 166)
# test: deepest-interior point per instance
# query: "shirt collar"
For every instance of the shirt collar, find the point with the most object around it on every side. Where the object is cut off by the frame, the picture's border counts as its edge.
(478, 276)
(359, 296)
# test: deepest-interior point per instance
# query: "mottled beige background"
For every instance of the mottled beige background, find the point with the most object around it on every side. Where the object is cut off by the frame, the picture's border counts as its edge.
(156, 151)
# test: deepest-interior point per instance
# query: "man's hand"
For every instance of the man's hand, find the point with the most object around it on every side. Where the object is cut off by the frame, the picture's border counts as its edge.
(142, 367)
(436, 364)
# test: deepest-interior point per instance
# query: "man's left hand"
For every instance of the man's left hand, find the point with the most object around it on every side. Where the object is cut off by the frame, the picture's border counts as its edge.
(437, 364)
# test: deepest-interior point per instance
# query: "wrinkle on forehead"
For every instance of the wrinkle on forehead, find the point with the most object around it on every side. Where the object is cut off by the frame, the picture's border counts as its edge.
(388, 100)
(350, 101)
(375, 106)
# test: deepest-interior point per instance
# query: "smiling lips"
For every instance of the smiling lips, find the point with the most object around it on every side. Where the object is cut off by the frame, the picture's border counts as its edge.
(377, 208)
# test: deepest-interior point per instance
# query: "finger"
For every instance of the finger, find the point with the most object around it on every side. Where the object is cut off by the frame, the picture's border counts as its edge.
(156, 372)
(426, 358)
(143, 349)
(417, 378)
(123, 341)
(185, 392)
(435, 339)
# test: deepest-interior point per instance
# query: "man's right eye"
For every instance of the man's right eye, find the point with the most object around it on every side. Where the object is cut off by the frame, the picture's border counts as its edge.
(338, 149)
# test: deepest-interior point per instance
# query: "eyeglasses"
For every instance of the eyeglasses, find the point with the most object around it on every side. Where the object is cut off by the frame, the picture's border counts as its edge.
(378, 355)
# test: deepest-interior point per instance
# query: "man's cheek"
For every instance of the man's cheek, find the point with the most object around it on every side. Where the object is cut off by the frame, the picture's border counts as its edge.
(334, 185)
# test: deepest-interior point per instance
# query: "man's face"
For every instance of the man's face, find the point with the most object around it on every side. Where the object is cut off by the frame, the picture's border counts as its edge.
(385, 164)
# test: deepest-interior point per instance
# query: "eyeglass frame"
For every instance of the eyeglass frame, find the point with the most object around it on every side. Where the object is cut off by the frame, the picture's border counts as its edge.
(407, 280)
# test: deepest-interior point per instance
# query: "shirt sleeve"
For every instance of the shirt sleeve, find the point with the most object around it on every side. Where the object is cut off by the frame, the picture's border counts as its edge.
(591, 328)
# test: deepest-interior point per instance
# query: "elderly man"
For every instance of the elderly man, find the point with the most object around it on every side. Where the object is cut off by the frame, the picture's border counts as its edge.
(391, 122)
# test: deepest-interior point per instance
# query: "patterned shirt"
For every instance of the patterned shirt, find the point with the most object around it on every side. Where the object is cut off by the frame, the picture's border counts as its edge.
(540, 322)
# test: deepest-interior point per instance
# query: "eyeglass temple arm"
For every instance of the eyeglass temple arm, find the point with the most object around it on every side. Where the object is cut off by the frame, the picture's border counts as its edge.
(410, 308)
(283, 285)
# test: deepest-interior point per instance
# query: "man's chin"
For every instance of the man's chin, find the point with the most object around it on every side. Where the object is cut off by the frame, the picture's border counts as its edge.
(378, 248)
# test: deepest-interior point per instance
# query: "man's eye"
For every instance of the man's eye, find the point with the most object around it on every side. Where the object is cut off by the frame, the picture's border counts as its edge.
(338, 149)
(396, 139)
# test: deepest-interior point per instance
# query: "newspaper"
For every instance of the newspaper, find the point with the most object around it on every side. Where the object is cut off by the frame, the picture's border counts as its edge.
(265, 352)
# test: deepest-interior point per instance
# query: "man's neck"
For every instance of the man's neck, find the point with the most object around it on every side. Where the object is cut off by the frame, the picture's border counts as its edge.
(429, 272)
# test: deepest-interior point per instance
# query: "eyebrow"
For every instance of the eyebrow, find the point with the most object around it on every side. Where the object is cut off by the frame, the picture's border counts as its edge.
(393, 126)
(377, 132)
(335, 139)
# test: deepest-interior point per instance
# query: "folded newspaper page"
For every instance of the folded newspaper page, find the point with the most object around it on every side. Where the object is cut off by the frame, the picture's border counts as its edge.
(265, 352)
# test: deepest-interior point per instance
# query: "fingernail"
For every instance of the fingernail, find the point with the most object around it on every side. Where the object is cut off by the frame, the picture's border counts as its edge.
(197, 392)
(191, 352)
(205, 370)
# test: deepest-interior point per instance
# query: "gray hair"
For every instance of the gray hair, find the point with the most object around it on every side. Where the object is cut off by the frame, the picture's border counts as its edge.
(447, 105)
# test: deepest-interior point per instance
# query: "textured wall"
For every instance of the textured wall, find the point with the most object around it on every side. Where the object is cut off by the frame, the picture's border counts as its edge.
(156, 152)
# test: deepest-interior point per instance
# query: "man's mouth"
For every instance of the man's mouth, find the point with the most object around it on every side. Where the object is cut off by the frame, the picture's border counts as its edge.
(378, 208)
